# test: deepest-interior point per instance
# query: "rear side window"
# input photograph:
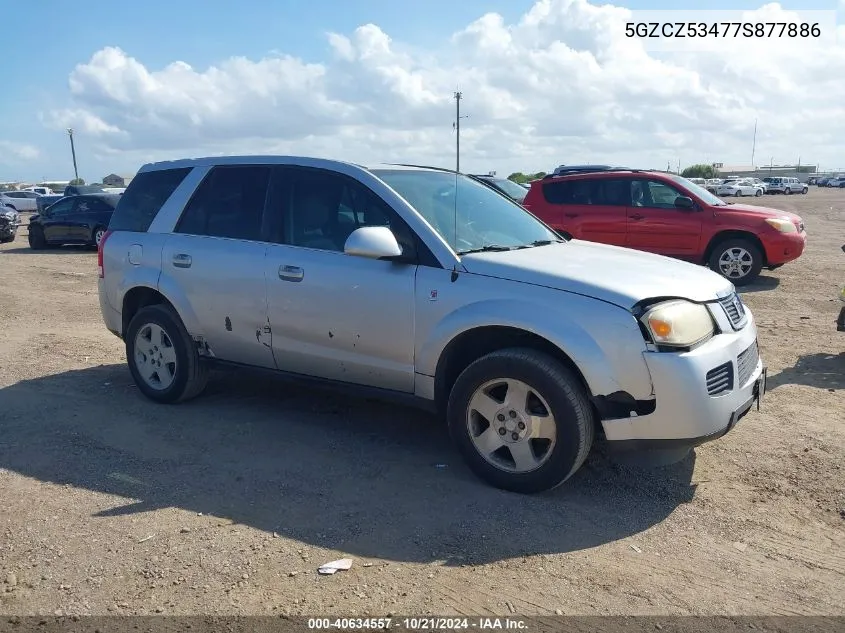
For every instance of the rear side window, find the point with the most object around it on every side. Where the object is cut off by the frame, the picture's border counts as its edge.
(144, 197)
(599, 191)
(229, 203)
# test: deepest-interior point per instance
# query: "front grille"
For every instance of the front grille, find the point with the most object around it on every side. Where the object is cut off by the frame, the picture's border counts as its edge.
(746, 362)
(720, 379)
(733, 307)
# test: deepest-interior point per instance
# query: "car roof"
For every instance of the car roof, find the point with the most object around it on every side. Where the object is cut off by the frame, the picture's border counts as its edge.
(303, 161)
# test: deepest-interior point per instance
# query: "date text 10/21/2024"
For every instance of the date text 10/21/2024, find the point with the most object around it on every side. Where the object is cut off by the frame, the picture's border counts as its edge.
(423, 623)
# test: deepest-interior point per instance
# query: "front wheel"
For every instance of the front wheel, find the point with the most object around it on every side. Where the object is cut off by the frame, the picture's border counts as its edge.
(162, 356)
(36, 238)
(758, 193)
(738, 260)
(521, 420)
(805, 190)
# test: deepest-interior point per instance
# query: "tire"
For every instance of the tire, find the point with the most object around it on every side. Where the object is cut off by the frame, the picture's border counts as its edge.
(560, 394)
(738, 193)
(188, 375)
(758, 193)
(788, 191)
(805, 190)
(36, 238)
(737, 244)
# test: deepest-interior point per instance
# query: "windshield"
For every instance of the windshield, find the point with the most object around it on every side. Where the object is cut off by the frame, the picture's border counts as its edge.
(468, 215)
(701, 192)
(514, 190)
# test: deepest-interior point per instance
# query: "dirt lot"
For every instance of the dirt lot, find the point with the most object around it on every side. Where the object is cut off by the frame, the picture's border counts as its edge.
(228, 504)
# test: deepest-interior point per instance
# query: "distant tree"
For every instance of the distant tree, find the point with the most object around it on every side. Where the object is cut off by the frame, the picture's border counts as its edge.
(700, 171)
(77, 181)
(520, 178)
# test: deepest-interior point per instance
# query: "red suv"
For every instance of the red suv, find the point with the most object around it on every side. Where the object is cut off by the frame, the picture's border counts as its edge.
(669, 215)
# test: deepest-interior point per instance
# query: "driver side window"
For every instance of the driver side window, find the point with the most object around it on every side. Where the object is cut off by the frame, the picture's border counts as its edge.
(62, 207)
(653, 194)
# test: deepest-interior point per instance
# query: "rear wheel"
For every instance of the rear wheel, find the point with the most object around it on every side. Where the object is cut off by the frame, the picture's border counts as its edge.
(738, 193)
(97, 236)
(36, 238)
(758, 193)
(788, 191)
(738, 260)
(521, 419)
(162, 356)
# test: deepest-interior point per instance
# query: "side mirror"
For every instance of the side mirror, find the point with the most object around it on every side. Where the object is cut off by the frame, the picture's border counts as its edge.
(373, 242)
(684, 202)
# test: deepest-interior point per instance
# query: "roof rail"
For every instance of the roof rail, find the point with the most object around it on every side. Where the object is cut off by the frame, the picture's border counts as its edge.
(586, 169)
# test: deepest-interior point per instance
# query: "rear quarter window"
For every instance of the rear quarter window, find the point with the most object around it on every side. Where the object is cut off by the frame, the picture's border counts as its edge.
(144, 197)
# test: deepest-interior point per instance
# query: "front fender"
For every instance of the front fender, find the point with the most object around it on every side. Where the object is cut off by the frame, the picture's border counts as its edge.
(602, 340)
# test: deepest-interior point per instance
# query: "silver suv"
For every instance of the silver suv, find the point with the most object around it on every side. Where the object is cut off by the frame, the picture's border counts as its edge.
(426, 285)
(781, 184)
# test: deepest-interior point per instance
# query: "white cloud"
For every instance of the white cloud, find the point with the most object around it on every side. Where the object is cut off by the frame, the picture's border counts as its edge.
(562, 84)
(12, 153)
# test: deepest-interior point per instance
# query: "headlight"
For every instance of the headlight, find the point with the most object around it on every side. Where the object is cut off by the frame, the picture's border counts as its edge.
(678, 323)
(784, 226)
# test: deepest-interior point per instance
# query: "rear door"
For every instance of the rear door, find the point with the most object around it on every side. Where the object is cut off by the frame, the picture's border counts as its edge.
(656, 225)
(215, 256)
(592, 209)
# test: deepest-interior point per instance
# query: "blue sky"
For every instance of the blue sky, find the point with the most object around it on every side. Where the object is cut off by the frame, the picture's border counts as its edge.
(37, 60)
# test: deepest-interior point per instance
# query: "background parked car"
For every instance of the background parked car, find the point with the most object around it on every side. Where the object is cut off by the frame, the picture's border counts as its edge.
(668, 215)
(73, 220)
(42, 202)
(81, 190)
(44, 191)
(785, 185)
(837, 182)
(19, 200)
(739, 187)
(508, 187)
(9, 222)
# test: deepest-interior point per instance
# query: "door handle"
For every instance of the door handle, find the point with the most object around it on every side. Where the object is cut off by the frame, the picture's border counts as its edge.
(637, 216)
(182, 261)
(291, 273)
(571, 215)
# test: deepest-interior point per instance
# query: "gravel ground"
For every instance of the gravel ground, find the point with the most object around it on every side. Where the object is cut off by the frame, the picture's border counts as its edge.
(228, 504)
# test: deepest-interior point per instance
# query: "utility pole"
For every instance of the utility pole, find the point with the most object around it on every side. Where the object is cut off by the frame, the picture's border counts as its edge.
(457, 127)
(754, 143)
(73, 153)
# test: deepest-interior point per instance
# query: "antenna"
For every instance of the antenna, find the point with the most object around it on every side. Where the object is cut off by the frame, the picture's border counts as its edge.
(456, 125)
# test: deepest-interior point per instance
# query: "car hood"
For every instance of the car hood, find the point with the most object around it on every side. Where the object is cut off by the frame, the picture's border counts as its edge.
(621, 276)
(763, 212)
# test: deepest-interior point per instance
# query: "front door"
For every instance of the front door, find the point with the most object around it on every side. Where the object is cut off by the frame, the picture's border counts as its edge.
(57, 221)
(215, 257)
(333, 315)
(657, 225)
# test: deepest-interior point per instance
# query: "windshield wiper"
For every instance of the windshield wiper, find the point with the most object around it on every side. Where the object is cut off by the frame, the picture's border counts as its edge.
(486, 249)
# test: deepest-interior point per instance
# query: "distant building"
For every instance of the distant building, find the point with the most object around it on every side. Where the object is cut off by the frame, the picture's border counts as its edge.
(116, 180)
(14, 185)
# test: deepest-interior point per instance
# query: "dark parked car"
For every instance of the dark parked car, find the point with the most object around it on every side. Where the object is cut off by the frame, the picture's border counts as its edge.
(73, 220)
(83, 190)
(511, 189)
(9, 222)
(42, 202)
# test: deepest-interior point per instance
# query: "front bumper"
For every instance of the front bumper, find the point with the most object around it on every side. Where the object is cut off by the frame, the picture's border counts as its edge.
(784, 247)
(689, 408)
